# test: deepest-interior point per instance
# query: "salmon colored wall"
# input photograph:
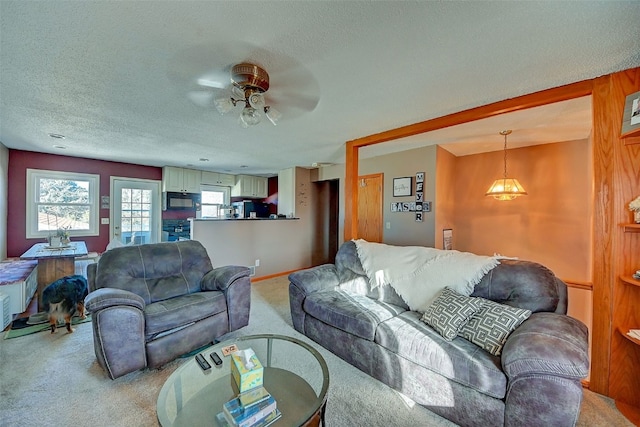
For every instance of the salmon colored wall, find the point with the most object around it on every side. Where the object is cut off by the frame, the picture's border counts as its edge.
(445, 199)
(20, 161)
(551, 225)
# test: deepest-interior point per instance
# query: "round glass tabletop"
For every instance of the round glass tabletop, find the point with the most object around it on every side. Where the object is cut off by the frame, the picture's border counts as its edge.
(295, 374)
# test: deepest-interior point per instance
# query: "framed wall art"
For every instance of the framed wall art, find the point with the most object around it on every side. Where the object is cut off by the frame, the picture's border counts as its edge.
(631, 116)
(447, 239)
(402, 187)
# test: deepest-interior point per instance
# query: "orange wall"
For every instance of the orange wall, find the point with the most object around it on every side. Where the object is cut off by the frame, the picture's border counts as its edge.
(551, 225)
(445, 199)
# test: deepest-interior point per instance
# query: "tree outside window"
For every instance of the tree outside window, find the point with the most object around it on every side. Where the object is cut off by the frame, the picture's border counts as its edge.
(61, 201)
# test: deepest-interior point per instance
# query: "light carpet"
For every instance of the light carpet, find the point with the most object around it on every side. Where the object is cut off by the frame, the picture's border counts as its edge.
(54, 380)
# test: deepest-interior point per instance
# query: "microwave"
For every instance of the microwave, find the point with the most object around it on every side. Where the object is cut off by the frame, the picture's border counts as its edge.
(181, 201)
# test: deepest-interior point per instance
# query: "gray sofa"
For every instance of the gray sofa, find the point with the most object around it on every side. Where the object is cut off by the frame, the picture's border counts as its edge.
(534, 382)
(152, 303)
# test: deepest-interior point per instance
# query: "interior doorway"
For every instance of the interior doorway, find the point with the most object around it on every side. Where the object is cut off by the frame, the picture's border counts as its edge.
(370, 207)
(326, 218)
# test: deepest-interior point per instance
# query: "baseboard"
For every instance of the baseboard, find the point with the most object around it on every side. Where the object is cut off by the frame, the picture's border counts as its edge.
(271, 276)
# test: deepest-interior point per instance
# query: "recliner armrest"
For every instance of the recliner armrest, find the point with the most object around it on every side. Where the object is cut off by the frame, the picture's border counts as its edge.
(315, 279)
(547, 344)
(219, 279)
(109, 297)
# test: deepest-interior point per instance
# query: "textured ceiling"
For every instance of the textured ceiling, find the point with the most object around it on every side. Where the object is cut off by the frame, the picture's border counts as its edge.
(120, 79)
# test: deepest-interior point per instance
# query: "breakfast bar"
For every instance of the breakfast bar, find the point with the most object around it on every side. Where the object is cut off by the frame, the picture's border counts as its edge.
(54, 262)
(267, 246)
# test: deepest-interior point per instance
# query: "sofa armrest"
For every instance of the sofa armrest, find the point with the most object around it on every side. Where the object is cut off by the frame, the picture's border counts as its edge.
(547, 344)
(234, 282)
(316, 279)
(109, 297)
(219, 279)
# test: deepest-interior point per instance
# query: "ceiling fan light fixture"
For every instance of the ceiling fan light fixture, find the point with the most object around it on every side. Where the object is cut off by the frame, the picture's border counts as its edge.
(250, 116)
(249, 83)
(256, 100)
(224, 105)
(272, 114)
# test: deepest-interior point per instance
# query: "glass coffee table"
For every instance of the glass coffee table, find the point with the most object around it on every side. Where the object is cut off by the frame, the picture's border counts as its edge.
(295, 374)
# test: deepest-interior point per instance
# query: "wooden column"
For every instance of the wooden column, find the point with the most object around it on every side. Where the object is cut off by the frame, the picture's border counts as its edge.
(615, 360)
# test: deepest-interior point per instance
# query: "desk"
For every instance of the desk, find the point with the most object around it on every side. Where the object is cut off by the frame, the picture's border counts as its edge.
(54, 263)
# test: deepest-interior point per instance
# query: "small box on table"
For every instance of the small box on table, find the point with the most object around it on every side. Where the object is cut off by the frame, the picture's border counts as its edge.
(246, 369)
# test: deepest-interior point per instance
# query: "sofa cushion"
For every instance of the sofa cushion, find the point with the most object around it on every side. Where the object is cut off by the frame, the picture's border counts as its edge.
(458, 360)
(490, 326)
(176, 312)
(450, 311)
(352, 313)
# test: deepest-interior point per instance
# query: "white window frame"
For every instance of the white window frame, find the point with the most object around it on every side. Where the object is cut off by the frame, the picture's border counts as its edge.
(218, 188)
(33, 178)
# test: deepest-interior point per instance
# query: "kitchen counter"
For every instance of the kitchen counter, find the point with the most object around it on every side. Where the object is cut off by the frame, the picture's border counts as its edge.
(271, 246)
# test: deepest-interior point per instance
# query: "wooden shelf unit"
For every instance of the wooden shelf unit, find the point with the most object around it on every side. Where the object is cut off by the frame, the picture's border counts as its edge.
(626, 349)
(631, 228)
(624, 334)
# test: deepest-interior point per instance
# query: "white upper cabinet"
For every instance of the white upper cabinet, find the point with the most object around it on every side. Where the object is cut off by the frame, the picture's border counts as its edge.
(180, 180)
(215, 178)
(250, 186)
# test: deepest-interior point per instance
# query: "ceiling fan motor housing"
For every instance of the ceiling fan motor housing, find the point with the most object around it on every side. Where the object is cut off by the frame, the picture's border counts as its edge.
(249, 76)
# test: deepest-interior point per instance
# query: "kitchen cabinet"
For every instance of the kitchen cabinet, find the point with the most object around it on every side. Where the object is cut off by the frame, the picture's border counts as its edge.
(250, 186)
(180, 180)
(216, 178)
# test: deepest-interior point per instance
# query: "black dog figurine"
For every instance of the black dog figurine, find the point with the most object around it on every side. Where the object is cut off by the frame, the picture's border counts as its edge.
(63, 298)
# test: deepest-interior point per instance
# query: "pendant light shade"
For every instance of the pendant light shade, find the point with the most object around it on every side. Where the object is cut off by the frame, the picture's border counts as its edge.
(505, 188)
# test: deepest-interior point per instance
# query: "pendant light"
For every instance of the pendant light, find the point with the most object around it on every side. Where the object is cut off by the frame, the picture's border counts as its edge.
(505, 188)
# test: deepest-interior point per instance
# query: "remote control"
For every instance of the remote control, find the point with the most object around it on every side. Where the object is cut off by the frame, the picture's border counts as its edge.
(202, 362)
(216, 359)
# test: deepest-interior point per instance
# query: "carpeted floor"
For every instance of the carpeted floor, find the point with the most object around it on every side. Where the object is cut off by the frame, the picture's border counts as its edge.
(20, 327)
(54, 380)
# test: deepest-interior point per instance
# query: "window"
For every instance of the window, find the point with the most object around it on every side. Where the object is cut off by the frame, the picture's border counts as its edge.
(61, 200)
(214, 200)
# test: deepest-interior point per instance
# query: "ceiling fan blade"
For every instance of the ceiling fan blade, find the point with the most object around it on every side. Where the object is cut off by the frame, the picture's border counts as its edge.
(285, 101)
(219, 80)
(202, 98)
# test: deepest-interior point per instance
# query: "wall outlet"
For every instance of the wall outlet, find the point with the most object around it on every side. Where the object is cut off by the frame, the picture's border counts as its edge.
(388, 225)
(104, 220)
(257, 263)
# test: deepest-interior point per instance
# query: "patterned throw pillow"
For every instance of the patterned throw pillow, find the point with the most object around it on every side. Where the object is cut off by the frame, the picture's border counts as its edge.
(490, 326)
(450, 311)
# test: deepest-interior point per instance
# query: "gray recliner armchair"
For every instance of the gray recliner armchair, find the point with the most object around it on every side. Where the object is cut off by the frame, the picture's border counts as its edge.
(152, 303)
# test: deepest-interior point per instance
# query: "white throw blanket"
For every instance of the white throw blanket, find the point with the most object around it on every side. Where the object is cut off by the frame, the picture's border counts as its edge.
(418, 273)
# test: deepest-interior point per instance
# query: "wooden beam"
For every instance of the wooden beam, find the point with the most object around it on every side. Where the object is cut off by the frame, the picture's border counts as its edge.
(537, 99)
(351, 193)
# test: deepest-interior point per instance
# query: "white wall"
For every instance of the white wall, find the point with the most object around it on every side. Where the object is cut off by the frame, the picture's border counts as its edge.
(4, 194)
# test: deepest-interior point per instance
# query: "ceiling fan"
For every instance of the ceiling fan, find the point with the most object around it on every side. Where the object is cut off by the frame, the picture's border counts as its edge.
(247, 86)
(249, 83)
